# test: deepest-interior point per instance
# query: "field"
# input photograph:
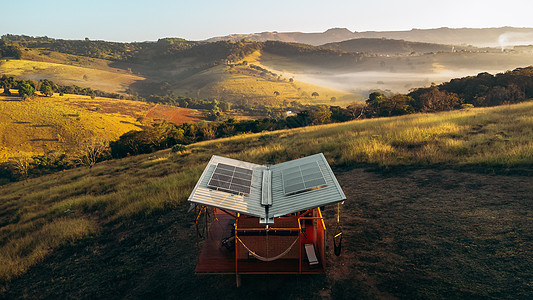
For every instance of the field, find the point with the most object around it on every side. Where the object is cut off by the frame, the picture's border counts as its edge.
(106, 80)
(437, 207)
(62, 123)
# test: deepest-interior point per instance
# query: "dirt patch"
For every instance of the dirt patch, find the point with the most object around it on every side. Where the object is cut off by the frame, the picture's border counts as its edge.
(177, 115)
(418, 234)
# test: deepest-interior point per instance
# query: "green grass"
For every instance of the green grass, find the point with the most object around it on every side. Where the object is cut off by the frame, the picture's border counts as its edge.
(74, 221)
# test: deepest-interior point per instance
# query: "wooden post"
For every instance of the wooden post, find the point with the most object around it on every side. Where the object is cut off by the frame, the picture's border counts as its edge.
(197, 239)
(238, 280)
(206, 228)
(299, 244)
(237, 276)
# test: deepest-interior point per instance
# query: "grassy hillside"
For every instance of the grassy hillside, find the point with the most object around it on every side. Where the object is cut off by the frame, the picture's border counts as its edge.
(206, 70)
(121, 229)
(249, 80)
(62, 123)
(108, 80)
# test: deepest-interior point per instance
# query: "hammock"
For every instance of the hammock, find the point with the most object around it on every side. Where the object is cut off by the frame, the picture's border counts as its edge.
(261, 258)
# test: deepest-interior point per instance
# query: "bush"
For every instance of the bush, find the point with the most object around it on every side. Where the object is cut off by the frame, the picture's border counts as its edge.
(178, 148)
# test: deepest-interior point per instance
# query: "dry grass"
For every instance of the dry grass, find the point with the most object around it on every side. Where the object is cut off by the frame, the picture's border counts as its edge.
(242, 82)
(492, 137)
(60, 123)
(39, 215)
(101, 79)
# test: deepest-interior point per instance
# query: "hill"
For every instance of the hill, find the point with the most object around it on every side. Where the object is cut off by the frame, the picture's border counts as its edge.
(64, 123)
(417, 226)
(384, 46)
(224, 70)
(479, 37)
(252, 73)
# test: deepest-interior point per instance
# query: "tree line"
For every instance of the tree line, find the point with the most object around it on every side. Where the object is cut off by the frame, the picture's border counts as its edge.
(481, 90)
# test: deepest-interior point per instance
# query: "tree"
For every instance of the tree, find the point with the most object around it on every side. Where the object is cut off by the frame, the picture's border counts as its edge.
(208, 132)
(93, 151)
(26, 90)
(46, 89)
(356, 110)
(315, 94)
(376, 101)
(276, 93)
(435, 100)
(22, 165)
(321, 115)
(6, 89)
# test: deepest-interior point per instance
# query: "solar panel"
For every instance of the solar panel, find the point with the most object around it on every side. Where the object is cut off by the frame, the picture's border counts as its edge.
(232, 179)
(302, 178)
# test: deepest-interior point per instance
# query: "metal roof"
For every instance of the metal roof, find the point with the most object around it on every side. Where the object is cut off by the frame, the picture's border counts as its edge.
(267, 199)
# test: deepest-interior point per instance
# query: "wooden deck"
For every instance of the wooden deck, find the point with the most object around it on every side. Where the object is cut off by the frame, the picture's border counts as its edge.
(216, 259)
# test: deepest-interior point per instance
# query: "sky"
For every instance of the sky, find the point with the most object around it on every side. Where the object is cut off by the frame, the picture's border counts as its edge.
(134, 20)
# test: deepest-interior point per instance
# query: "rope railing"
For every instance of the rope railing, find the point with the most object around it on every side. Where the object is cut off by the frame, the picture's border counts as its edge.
(261, 258)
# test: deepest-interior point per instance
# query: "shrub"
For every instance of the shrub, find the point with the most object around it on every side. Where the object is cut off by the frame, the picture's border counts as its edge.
(178, 148)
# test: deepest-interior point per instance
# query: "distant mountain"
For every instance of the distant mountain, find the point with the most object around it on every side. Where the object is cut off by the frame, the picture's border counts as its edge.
(479, 37)
(392, 47)
(315, 39)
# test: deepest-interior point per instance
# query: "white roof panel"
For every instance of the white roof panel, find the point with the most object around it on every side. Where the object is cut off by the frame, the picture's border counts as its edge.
(247, 204)
(255, 203)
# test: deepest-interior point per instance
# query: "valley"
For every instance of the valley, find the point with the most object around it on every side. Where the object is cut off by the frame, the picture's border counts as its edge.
(260, 72)
(429, 132)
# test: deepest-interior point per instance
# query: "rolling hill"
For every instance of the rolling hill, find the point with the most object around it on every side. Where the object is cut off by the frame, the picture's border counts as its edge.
(416, 216)
(223, 70)
(271, 72)
(64, 123)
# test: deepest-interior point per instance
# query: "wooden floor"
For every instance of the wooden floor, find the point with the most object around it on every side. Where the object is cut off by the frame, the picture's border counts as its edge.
(216, 259)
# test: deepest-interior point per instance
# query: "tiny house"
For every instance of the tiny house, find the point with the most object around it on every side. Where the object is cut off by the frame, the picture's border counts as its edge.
(265, 219)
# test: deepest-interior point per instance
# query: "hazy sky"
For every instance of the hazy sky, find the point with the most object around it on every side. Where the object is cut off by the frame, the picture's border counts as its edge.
(133, 20)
